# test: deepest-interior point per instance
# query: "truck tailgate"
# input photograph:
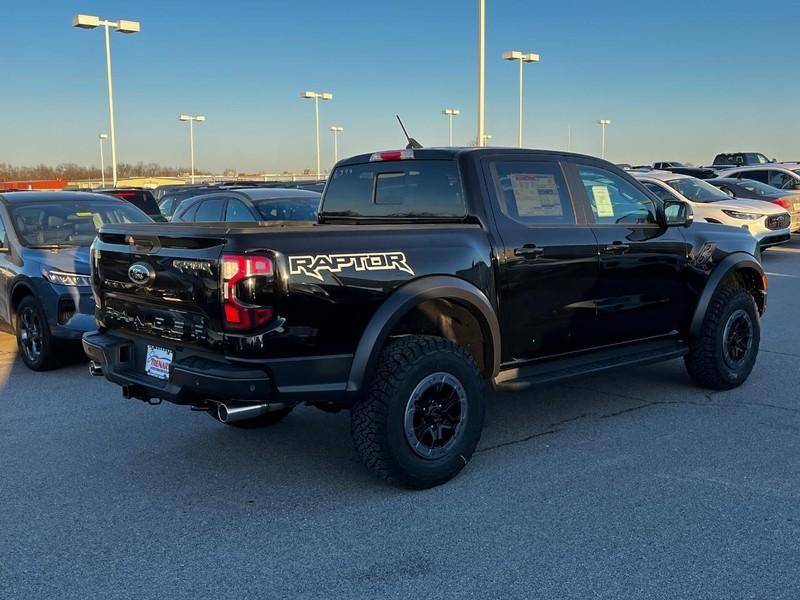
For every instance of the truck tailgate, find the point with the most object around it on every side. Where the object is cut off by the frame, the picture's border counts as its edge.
(159, 282)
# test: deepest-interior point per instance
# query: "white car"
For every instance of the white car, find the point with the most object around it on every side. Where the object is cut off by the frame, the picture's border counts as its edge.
(768, 223)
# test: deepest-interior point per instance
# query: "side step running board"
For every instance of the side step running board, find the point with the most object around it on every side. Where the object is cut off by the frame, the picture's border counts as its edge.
(644, 353)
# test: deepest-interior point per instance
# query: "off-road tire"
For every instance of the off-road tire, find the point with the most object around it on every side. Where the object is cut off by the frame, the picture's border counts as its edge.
(706, 362)
(378, 420)
(265, 420)
(30, 310)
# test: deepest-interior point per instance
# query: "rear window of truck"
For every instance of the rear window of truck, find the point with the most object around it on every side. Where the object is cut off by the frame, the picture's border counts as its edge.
(396, 189)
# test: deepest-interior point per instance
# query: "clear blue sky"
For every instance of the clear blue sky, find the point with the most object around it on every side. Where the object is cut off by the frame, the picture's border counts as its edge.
(680, 80)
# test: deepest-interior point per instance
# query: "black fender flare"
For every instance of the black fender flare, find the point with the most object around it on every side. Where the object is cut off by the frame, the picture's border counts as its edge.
(407, 297)
(19, 283)
(735, 261)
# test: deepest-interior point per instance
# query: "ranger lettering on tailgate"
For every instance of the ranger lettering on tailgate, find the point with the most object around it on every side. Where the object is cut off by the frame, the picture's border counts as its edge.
(335, 263)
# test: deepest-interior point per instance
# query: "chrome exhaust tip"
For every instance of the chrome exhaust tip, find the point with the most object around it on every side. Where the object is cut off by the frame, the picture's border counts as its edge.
(232, 412)
(95, 369)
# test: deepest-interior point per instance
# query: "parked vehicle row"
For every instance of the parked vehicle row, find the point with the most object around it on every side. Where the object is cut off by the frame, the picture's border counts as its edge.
(768, 223)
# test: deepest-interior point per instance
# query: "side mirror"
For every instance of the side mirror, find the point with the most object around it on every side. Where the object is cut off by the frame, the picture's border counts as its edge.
(678, 213)
(773, 160)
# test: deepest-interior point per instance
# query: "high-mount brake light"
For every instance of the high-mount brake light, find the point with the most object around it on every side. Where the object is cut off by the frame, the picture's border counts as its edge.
(236, 270)
(406, 154)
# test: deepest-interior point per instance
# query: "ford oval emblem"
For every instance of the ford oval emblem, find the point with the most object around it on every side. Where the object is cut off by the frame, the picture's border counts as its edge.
(141, 273)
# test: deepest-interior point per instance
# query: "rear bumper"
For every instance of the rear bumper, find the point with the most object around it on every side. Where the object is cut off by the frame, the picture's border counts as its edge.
(196, 379)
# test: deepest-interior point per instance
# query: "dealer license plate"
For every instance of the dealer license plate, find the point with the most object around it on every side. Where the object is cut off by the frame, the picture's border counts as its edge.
(158, 362)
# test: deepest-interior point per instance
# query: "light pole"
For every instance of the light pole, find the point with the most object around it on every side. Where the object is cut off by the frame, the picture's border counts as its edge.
(101, 137)
(481, 69)
(450, 113)
(603, 123)
(520, 57)
(317, 96)
(336, 131)
(191, 119)
(90, 22)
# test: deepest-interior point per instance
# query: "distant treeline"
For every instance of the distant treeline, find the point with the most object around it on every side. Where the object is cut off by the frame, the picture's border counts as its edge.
(74, 172)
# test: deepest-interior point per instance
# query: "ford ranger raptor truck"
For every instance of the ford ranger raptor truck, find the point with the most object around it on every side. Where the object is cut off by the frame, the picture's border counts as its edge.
(430, 275)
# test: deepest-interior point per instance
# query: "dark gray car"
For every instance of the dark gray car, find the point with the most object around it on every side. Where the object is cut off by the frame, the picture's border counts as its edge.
(45, 293)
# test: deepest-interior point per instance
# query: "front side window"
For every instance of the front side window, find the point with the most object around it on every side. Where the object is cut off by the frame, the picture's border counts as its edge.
(533, 193)
(697, 190)
(288, 209)
(69, 223)
(396, 189)
(614, 200)
(781, 180)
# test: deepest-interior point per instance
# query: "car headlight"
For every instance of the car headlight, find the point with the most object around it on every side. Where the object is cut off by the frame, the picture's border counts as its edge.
(743, 215)
(61, 278)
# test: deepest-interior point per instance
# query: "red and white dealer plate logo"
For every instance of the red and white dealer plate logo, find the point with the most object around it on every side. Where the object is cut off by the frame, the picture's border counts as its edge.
(158, 362)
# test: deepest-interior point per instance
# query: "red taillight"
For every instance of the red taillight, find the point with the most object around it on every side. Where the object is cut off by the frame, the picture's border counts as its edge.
(784, 203)
(406, 154)
(254, 270)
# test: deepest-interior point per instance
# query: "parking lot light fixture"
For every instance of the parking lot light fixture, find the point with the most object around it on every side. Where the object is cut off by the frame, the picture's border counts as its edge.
(336, 131)
(123, 26)
(191, 119)
(603, 123)
(317, 96)
(102, 137)
(450, 113)
(520, 57)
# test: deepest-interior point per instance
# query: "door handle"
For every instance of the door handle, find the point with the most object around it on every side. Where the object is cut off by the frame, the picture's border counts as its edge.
(616, 248)
(529, 251)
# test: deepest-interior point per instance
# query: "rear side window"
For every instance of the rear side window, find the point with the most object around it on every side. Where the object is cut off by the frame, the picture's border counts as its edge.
(3, 236)
(209, 210)
(237, 211)
(396, 189)
(532, 193)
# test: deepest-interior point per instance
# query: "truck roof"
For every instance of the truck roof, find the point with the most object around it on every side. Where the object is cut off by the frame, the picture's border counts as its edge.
(452, 153)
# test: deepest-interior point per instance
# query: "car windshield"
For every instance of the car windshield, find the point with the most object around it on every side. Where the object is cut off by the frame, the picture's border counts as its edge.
(762, 189)
(288, 209)
(697, 190)
(60, 223)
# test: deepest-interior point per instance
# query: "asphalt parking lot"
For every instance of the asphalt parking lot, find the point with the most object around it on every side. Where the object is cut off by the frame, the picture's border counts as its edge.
(628, 485)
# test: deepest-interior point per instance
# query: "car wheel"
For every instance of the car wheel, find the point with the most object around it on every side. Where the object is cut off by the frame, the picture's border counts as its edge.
(724, 354)
(422, 415)
(35, 343)
(265, 420)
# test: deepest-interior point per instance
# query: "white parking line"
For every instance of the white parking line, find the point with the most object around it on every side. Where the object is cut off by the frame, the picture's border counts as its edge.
(783, 275)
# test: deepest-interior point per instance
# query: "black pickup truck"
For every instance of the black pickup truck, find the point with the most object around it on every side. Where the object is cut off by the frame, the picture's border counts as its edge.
(430, 274)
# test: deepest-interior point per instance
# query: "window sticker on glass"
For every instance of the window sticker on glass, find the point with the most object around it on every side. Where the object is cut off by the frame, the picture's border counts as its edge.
(536, 195)
(602, 201)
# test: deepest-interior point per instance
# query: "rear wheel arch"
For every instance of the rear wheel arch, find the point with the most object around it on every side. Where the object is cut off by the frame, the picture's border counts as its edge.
(736, 270)
(442, 306)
